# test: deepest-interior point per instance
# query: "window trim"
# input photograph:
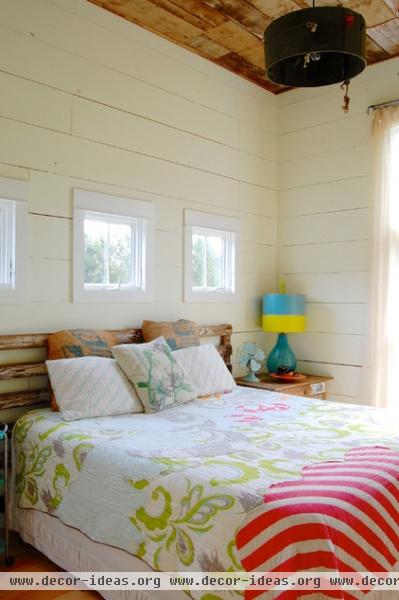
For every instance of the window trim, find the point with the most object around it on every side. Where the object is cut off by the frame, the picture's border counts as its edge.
(123, 209)
(214, 224)
(16, 192)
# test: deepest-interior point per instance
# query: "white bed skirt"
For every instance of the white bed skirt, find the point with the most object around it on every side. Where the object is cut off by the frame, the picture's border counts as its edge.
(71, 550)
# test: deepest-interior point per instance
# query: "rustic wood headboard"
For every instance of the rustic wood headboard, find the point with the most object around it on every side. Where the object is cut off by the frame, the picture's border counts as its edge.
(39, 340)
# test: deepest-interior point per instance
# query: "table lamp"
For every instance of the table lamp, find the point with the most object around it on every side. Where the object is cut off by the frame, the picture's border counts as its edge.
(283, 313)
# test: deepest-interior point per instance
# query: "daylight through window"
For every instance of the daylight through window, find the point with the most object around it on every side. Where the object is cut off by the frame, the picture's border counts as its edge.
(211, 245)
(113, 258)
(394, 181)
(7, 244)
(212, 260)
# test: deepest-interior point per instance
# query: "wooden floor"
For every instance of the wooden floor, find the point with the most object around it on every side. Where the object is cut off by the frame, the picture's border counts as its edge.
(28, 558)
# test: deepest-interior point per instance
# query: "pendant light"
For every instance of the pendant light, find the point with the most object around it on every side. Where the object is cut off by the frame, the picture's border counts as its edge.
(316, 46)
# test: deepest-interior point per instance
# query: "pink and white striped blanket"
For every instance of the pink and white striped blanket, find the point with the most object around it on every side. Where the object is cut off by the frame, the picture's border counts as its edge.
(340, 516)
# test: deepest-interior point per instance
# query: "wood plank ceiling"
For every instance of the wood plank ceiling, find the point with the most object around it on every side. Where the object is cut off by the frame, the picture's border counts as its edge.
(230, 32)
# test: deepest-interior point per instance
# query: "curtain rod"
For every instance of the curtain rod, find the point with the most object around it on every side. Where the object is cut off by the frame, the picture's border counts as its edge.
(382, 105)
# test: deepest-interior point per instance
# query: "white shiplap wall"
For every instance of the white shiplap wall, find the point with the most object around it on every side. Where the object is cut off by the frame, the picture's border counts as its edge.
(89, 100)
(324, 179)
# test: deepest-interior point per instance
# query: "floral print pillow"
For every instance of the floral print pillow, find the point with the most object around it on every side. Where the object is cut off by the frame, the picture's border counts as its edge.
(160, 379)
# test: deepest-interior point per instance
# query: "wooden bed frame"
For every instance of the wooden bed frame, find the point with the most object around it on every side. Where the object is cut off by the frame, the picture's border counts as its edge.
(39, 340)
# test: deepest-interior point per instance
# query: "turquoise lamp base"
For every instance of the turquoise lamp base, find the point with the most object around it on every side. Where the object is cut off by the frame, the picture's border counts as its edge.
(281, 355)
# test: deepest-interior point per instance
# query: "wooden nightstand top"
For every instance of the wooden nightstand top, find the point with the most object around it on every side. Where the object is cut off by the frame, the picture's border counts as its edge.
(312, 386)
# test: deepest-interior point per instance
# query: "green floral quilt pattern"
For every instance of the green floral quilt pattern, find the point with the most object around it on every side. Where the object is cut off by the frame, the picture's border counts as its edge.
(173, 487)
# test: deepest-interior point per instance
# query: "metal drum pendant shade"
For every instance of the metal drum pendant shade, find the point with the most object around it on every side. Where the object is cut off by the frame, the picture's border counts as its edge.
(315, 46)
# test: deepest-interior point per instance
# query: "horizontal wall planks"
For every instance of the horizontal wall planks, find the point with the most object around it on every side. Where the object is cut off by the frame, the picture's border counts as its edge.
(80, 158)
(49, 237)
(121, 92)
(257, 140)
(41, 271)
(257, 201)
(252, 200)
(56, 316)
(24, 101)
(254, 285)
(106, 47)
(329, 166)
(324, 137)
(258, 229)
(46, 150)
(351, 288)
(313, 110)
(330, 196)
(45, 187)
(125, 112)
(336, 318)
(341, 349)
(112, 127)
(253, 254)
(339, 226)
(328, 257)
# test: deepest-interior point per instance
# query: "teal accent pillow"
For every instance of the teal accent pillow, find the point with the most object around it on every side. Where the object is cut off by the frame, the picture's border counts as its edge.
(158, 376)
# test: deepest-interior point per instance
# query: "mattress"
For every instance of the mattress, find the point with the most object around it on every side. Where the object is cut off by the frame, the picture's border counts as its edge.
(172, 488)
(73, 551)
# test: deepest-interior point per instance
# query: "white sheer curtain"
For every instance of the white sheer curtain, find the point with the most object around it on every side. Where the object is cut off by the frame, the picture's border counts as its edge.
(384, 282)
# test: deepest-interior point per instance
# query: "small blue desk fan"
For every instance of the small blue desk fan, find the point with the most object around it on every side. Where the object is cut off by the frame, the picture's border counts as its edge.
(250, 357)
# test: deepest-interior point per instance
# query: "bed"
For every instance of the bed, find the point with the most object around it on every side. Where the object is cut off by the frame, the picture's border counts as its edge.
(181, 485)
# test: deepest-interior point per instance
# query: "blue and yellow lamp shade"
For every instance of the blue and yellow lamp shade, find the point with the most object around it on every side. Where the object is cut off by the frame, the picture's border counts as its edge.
(284, 313)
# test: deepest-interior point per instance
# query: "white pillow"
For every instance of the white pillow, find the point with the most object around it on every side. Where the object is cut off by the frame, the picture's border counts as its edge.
(91, 386)
(207, 369)
(160, 379)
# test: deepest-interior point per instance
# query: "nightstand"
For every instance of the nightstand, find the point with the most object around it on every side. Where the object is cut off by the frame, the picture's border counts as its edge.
(313, 386)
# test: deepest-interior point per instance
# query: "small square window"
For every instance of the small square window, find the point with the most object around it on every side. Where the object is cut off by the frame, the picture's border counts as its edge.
(7, 244)
(210, 257)
(13, 240)
(213, 263)
(111, 251)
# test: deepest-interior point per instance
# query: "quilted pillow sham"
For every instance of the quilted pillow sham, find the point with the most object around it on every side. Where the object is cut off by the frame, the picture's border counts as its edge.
(91, 386)
(207, 369)
(160, 379)
(74, 343)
